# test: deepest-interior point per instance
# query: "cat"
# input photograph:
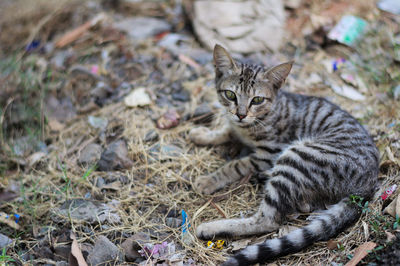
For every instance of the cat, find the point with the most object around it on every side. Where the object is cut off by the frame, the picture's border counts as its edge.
(313, 156)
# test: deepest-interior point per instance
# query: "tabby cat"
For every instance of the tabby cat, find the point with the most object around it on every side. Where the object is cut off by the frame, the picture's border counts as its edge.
(312, 154)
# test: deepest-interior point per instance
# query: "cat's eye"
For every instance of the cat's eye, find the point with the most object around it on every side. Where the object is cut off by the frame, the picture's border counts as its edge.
(230, 95)
(257, 100)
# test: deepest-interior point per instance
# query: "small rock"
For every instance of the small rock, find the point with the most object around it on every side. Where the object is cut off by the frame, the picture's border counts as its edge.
(90, 154)
(104, 253)
(60, 58)
(98, 122)
(139, 28)
(26, 145)
(100, 182)
(62, 263)
(182, 96)
(150, 136)
(169, 119)
(164, 152)
(115, 157)
(138, 97)
(396, 92)
(173, 222)
(61, 110)
(132, 245)
(4, 241)
(86, 210)
(62, 251)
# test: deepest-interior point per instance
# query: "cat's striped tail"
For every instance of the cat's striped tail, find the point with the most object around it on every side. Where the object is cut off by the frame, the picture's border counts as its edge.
(323, 226)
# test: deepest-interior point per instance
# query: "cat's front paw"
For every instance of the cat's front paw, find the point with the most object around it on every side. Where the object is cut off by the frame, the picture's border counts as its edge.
(204, 231)
(205, 185)
(212, 229)
(199, 135)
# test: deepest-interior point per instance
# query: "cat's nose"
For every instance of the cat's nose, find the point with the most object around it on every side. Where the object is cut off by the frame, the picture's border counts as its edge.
(241, 117)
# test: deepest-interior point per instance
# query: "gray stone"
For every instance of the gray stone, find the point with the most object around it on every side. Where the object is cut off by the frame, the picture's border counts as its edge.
(139, 28)
(90, 154)
(98, 122)
(115, 157)
(133, 244)
(173, 222)
(4, 241)
(62, 263)
(59, 58)
(164, 152)
(104, 253)
(150, 136)
(86, 210)
(396, 92)
(61, 110)
(182, 96)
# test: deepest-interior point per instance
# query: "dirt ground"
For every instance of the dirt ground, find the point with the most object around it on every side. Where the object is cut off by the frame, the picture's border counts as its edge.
(80, 159)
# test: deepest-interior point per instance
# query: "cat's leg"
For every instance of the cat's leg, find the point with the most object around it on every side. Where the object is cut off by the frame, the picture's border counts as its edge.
(263, 221)
(280, 199)
(205, 136)
(231, 172)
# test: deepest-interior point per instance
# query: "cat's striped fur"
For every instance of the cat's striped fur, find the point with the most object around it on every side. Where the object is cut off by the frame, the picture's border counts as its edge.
(312, 154)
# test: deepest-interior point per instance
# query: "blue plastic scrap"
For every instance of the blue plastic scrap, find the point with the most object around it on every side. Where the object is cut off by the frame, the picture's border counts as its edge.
(185, 222)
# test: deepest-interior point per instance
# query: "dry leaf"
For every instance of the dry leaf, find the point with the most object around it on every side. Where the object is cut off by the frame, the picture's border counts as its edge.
(117, 185)
(4, 218)
(394, 207)
(332, 244)
(389, 236)
(76, 257)
(74, 34)
(187, 60)
(35, 158)
(360, 253)
(55, 125)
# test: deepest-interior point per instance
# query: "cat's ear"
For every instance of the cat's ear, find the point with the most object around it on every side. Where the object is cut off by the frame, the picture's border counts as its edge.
(278, 74)
(224, 63)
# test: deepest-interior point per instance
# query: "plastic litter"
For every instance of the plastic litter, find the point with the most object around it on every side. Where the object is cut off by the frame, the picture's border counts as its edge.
(348, 30)
(388, 192)
(391, 6)
(219, 244)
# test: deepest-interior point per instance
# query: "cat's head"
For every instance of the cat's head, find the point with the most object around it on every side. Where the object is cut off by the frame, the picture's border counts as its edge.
(247, 92)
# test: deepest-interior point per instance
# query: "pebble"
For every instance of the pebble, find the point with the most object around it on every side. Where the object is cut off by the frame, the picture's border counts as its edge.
(182, 96)
(139, 28)
(90, 154)
(138, 97)
(173, 222)
(104, 253)
(396, 92)
(165, 152)
(86, 210)
(169, 119)
(98, 122)
(150, 136)
(4, 241)
(133, 244)
(115, 157)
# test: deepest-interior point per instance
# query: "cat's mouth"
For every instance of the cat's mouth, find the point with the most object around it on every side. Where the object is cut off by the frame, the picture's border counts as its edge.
(242, 122)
